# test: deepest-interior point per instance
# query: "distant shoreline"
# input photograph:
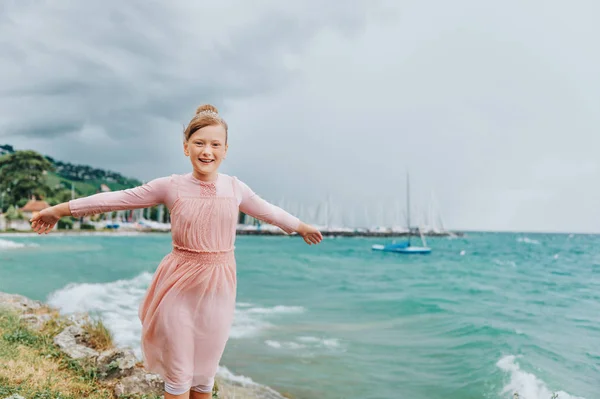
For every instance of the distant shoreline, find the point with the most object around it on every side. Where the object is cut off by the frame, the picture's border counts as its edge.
(242, 232)
(334, 233)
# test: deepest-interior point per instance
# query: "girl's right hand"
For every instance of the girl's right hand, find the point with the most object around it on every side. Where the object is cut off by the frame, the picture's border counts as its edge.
(45, 220)
(310, 234)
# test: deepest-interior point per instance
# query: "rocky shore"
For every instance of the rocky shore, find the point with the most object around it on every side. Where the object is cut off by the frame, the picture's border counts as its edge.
(77, 354)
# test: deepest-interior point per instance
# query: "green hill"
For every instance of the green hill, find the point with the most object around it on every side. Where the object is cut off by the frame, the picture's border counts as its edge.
(27, 173)
(87, 186)
(86, 180)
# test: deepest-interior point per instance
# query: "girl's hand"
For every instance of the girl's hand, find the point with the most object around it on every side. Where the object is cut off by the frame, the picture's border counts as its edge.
(45, 220)
(310, 234)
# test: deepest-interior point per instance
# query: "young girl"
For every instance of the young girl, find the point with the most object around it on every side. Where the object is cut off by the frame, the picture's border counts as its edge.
(188, 309)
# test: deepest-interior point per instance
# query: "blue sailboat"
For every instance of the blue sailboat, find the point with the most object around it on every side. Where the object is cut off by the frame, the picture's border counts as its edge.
(405, 247)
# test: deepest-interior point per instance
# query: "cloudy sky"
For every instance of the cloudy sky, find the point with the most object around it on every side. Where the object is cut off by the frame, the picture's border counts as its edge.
(492, 107)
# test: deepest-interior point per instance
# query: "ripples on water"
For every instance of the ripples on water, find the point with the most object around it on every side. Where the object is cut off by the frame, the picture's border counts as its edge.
(481, 317)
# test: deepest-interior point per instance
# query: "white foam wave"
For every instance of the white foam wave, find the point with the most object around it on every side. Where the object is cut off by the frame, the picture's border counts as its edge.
(505, 262)
(310, 344)
(321, 342)
(21, 234)
(250, 321)
(8, 244)
(244, 325)
(528, 240)
(116, 302)
(225, 373)
(277, 309)
(242, 380)
(527, 385)
(285, 345)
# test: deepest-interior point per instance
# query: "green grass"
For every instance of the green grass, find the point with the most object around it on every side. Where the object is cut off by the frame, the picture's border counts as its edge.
(82, 188)
(33, 367)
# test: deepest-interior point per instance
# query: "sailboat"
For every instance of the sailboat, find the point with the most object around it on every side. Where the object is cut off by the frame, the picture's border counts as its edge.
(405, 247)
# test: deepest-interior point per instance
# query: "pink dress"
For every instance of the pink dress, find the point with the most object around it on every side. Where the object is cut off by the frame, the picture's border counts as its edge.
(188, 308)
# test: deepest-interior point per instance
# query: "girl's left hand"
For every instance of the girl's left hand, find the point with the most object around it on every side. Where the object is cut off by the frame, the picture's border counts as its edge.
(45, 220)
(310, 234)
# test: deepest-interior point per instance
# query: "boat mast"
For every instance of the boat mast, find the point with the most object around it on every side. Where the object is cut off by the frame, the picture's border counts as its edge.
(408, 206)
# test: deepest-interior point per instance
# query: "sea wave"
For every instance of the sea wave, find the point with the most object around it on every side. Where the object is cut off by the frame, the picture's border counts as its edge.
(527, 385)
(527, 240)
(306, 343)
(251, 320)
(242, 380)
(277, 309)
(8, 244)
(117, 303)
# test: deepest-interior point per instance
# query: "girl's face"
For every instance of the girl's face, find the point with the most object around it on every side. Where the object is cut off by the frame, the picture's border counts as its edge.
(206, 149)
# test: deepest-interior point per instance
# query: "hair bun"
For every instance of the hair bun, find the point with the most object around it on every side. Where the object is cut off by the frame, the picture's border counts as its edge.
(207, 107)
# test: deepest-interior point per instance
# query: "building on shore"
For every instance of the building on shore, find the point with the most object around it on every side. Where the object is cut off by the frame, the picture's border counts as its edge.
(32, 207)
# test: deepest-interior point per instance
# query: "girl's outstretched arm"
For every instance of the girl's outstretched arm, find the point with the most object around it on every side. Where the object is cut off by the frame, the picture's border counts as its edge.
(152, 193)
(253, 205)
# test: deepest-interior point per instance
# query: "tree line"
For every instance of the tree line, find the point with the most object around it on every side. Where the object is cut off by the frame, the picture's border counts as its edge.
(27, 173)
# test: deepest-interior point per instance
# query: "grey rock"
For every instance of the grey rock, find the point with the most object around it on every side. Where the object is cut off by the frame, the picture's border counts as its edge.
(15, 396)
(35, 321)
(140, 383)
(69, 341)
(116, 363)
(78, 318)
(18, 303)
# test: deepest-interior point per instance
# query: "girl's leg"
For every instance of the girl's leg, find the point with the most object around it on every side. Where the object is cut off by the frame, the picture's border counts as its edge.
(199, 395)
(185, 395)
(201, 392)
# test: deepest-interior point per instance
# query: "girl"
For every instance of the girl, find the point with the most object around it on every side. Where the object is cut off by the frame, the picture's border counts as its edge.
(188, 309)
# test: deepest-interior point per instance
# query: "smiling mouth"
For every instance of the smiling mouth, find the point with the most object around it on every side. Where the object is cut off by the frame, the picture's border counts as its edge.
(207, 160)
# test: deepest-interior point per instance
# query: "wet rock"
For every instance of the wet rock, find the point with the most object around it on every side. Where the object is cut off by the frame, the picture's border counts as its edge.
(116, 363)
(140, 383)
(19, 303)
(70, 342)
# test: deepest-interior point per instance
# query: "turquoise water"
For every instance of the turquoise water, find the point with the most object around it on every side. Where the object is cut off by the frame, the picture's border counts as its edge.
(483, 316)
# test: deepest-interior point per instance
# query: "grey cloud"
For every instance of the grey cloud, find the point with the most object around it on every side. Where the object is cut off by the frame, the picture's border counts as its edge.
(487, 105)
(25, 128)
(108, 61)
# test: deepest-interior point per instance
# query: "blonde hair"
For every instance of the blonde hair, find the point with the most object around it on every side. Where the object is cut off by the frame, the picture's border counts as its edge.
(206, 115)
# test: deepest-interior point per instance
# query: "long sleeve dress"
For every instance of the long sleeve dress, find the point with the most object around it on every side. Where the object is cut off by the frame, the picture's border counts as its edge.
(188, 309)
